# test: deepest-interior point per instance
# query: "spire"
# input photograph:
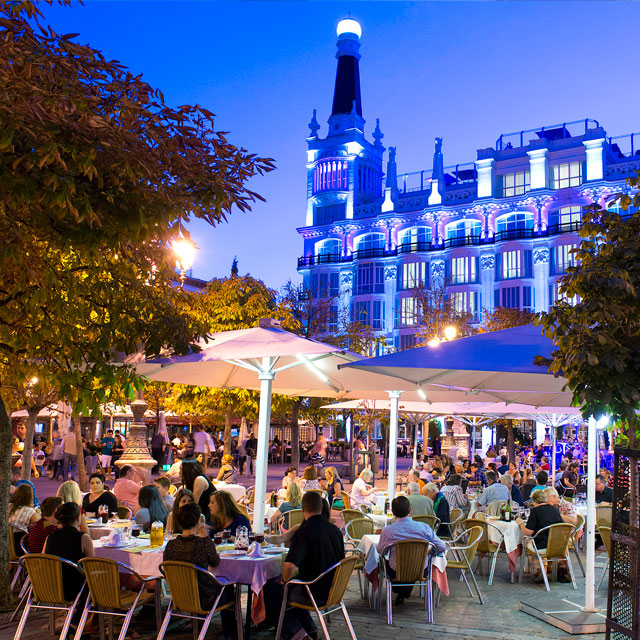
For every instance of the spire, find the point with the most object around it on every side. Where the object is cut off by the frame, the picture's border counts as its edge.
(438, 162)
(234, 267)
(392, 170)
(346, 94)
(377, 134)
(314, 127)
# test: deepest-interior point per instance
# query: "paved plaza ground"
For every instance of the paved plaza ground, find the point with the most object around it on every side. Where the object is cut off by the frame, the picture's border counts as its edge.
(458, 616)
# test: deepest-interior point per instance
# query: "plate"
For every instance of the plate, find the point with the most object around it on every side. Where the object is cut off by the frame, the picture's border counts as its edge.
(274, 550)
(232, 553)
(493, 517)
(115, 546)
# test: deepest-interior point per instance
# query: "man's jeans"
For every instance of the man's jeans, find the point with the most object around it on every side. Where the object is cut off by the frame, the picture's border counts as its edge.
(70, 463)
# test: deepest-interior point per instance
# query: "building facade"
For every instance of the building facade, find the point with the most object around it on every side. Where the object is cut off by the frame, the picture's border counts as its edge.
(496, 232)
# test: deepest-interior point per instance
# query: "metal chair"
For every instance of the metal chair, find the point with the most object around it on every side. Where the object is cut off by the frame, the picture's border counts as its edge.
(249, 499)
(559, 536)
(605, 534)
(455, 515)
(573, 543)
(432, 521)
(182, 578)
(335, 600)
(173, 489)
(413, 567)
(14, 555)
(486, 546)
(495, 508)
(346, 500)
(107, 597)
(47, 591)
(350, 514)
(292, 518)
(354, 532)
(463, 556)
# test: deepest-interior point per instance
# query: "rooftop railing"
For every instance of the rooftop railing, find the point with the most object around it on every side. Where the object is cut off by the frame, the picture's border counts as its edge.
(454, 174)
(516, 138)
(626, 145)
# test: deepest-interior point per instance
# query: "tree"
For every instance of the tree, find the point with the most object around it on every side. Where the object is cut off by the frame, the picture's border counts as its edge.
(97, 177)
(504, 318)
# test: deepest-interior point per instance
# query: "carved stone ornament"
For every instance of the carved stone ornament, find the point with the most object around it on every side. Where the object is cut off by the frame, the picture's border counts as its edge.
(390, 273)
(487, 261)
(437, 268)
(540, 254)
(346, 277)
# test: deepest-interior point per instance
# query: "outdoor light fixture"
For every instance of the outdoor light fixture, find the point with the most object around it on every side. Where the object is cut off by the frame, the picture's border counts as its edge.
(434, 342)
(185, 252)
(422, 394)
(313, 367)
(450, 332)
(34, 380)
(348, 25)
(602, 422)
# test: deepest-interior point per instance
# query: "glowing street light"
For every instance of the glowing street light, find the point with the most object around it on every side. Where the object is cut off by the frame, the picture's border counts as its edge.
(450, 333)
(185, 252)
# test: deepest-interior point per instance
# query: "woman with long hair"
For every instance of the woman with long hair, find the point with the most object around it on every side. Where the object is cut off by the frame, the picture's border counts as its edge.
(69, 491)
(293, 501)
(333, 485)
(183, 496)
(21, 510)
(152, 508)
(309, 479)
(118, 450)
(226, 514)
(194, 479)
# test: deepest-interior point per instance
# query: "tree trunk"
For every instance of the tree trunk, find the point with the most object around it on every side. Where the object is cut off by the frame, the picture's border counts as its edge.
(283, 444)
(228, 417)
(27, 451)
(92, 430)
(6, 599)
(511, 443)
(295, 433)
(82, 471)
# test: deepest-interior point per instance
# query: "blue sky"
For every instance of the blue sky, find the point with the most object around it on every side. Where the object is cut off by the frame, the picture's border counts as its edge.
(464, 71)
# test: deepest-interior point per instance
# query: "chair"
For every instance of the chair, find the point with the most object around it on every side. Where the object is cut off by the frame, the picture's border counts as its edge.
(125, 512)
(557, 548)
(14, 555)
(495, 508)
(354, 532)
(605, 534)
(106, 597)
(46, 590)
(432, 521)
(604, 516)
(455, 515)
(463, 556)
(486, 546)
(411, 566)
(292, 518)
(346, 500)
(350, 514)
(573, 543)
(249, 498)
(182, 578)
(525, 491)
(342, 574)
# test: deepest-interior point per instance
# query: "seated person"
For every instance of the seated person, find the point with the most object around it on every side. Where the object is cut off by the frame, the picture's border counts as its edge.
(420, 505)
(315, 546)
(17, 481)
(542, 515)
(309, 480)
(39, 531)
(152, 508)
(452, 491)
(476, 477)
(440, 507)
(414, 476)
(514, 491)
(361, 492)
(542, 477)
(567, 509)
(227, 471)
(197, 549)
(293, 501)
(22, 513)
(98, 495)
(495, 491)
(333, 486)
(163, 484)
(544, 465)
(290, 476)
(184, 496)
(404, 528)
(127, 487)
(604, 494)
(504, 467)
(226, 514)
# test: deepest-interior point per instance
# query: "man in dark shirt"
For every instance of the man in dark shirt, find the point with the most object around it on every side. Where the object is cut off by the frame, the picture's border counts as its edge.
(504, 467)
(604, 494)
(569, 478)
(315, 546)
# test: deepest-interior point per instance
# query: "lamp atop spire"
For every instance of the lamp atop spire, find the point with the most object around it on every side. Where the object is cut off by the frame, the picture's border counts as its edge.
(349, 26)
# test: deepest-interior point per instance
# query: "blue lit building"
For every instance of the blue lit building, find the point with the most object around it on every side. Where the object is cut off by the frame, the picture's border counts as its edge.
(496, 231)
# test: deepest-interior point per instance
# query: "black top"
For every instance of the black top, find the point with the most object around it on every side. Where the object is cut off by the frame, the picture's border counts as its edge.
(66, 543)
(333, 490)
(316, 546)
(106, 498)
(441, 510)
(238, 521)
(203, 503)
(604, 496)
(201, 552)
(503, 469)
(542, 516)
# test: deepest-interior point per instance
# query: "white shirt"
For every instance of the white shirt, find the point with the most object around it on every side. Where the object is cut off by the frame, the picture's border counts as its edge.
(201, 439)
(357, 497)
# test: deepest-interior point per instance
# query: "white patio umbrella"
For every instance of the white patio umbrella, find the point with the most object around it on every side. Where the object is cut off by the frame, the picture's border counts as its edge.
(502, 364)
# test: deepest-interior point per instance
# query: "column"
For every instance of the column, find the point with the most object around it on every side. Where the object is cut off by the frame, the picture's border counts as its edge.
(595, 158)
(541, 265)
(394, 396)
(487, 278)
(486, 177)
(538, 168)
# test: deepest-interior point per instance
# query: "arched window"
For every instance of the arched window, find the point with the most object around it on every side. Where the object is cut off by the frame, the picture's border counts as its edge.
(415, 236)
(514, 221)
(569, 216)
(370, 241)
(328, 247)
(463, 229)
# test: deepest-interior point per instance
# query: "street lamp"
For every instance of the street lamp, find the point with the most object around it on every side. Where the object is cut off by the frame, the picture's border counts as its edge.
(450, 333)
(185, 252)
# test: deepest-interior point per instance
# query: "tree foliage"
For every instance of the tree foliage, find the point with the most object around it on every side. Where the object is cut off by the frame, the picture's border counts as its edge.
(504, 318)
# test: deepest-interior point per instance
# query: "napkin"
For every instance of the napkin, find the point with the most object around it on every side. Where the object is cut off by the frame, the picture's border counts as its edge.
(114, 538)
(256, 551)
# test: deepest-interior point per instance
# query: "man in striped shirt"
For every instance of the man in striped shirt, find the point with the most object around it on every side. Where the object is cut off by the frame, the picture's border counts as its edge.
(40, 530)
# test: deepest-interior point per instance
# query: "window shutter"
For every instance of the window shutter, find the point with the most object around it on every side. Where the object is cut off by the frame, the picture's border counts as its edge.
(528, 264)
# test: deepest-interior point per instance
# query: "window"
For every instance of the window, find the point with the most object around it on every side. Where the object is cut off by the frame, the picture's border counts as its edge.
(413, 274)
(514, 221)
(515, 184)
(369, 312)
(407, 312)
(467, 302)
(370, 278)
(514, 264)
(565, 175)
(326, 214)
(569, 216)
(370, 241)
(511, 297)
(556, 296)
(463, 229)
(331, 175)
(369, 180)
(562, 257)
(463, 270)
(325, 284)
(415, 236)
(528, 299)
(407, 342)
(328, 247)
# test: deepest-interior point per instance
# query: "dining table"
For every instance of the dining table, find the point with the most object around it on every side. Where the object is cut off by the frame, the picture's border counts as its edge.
(511, 535)
(236, 490)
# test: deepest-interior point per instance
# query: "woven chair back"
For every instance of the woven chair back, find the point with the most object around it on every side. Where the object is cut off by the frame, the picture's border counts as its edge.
(604, 516)
(605, 534)
(294, 517)
(182, 578)
(125, 512)
(473, 542)
(346, 500)
(454, 515)
(360, 527)
(103, 579)
(350, 514)
(13, 554)
(251, 494)
(484, 546)
(558, 541)
(411, 559)
(494, 508)
(45, 573)
(432, 521)
(341, 578)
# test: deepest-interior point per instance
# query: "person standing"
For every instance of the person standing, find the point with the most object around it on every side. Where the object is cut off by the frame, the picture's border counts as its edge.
(242, 455)
(252, 451)
(201, 445)
(158, 443)
(70, 453)
(107, 443)
(56, 457)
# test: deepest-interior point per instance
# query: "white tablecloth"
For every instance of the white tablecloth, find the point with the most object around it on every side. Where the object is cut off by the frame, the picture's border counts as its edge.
(369, 548)
(139, 555)
(381, 521)
(236, 490)
(511, 532)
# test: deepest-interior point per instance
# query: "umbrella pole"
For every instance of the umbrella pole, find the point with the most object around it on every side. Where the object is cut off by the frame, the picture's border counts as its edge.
(553, 455)
(266, 376)
(415, 445)
(590, 593)
(393, 442)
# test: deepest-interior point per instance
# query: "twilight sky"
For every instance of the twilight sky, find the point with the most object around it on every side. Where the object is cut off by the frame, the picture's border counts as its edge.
(464, 71)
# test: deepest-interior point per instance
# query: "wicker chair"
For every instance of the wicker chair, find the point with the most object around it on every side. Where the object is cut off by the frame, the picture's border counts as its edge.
(350, 514)
(125, 512)
(486, 547)
(342, 574)
(46, 590)
(455, 516)
(463, 556)
(182, 578)
(557, 549)
(14, 554)
(573, 543)
(292, 518)
(432, 521)
(604, 516)
(495, 508)
(413, 567)
(605, 534)
(173, 489)
(346, 500)
(107, 598)
(354, 532)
